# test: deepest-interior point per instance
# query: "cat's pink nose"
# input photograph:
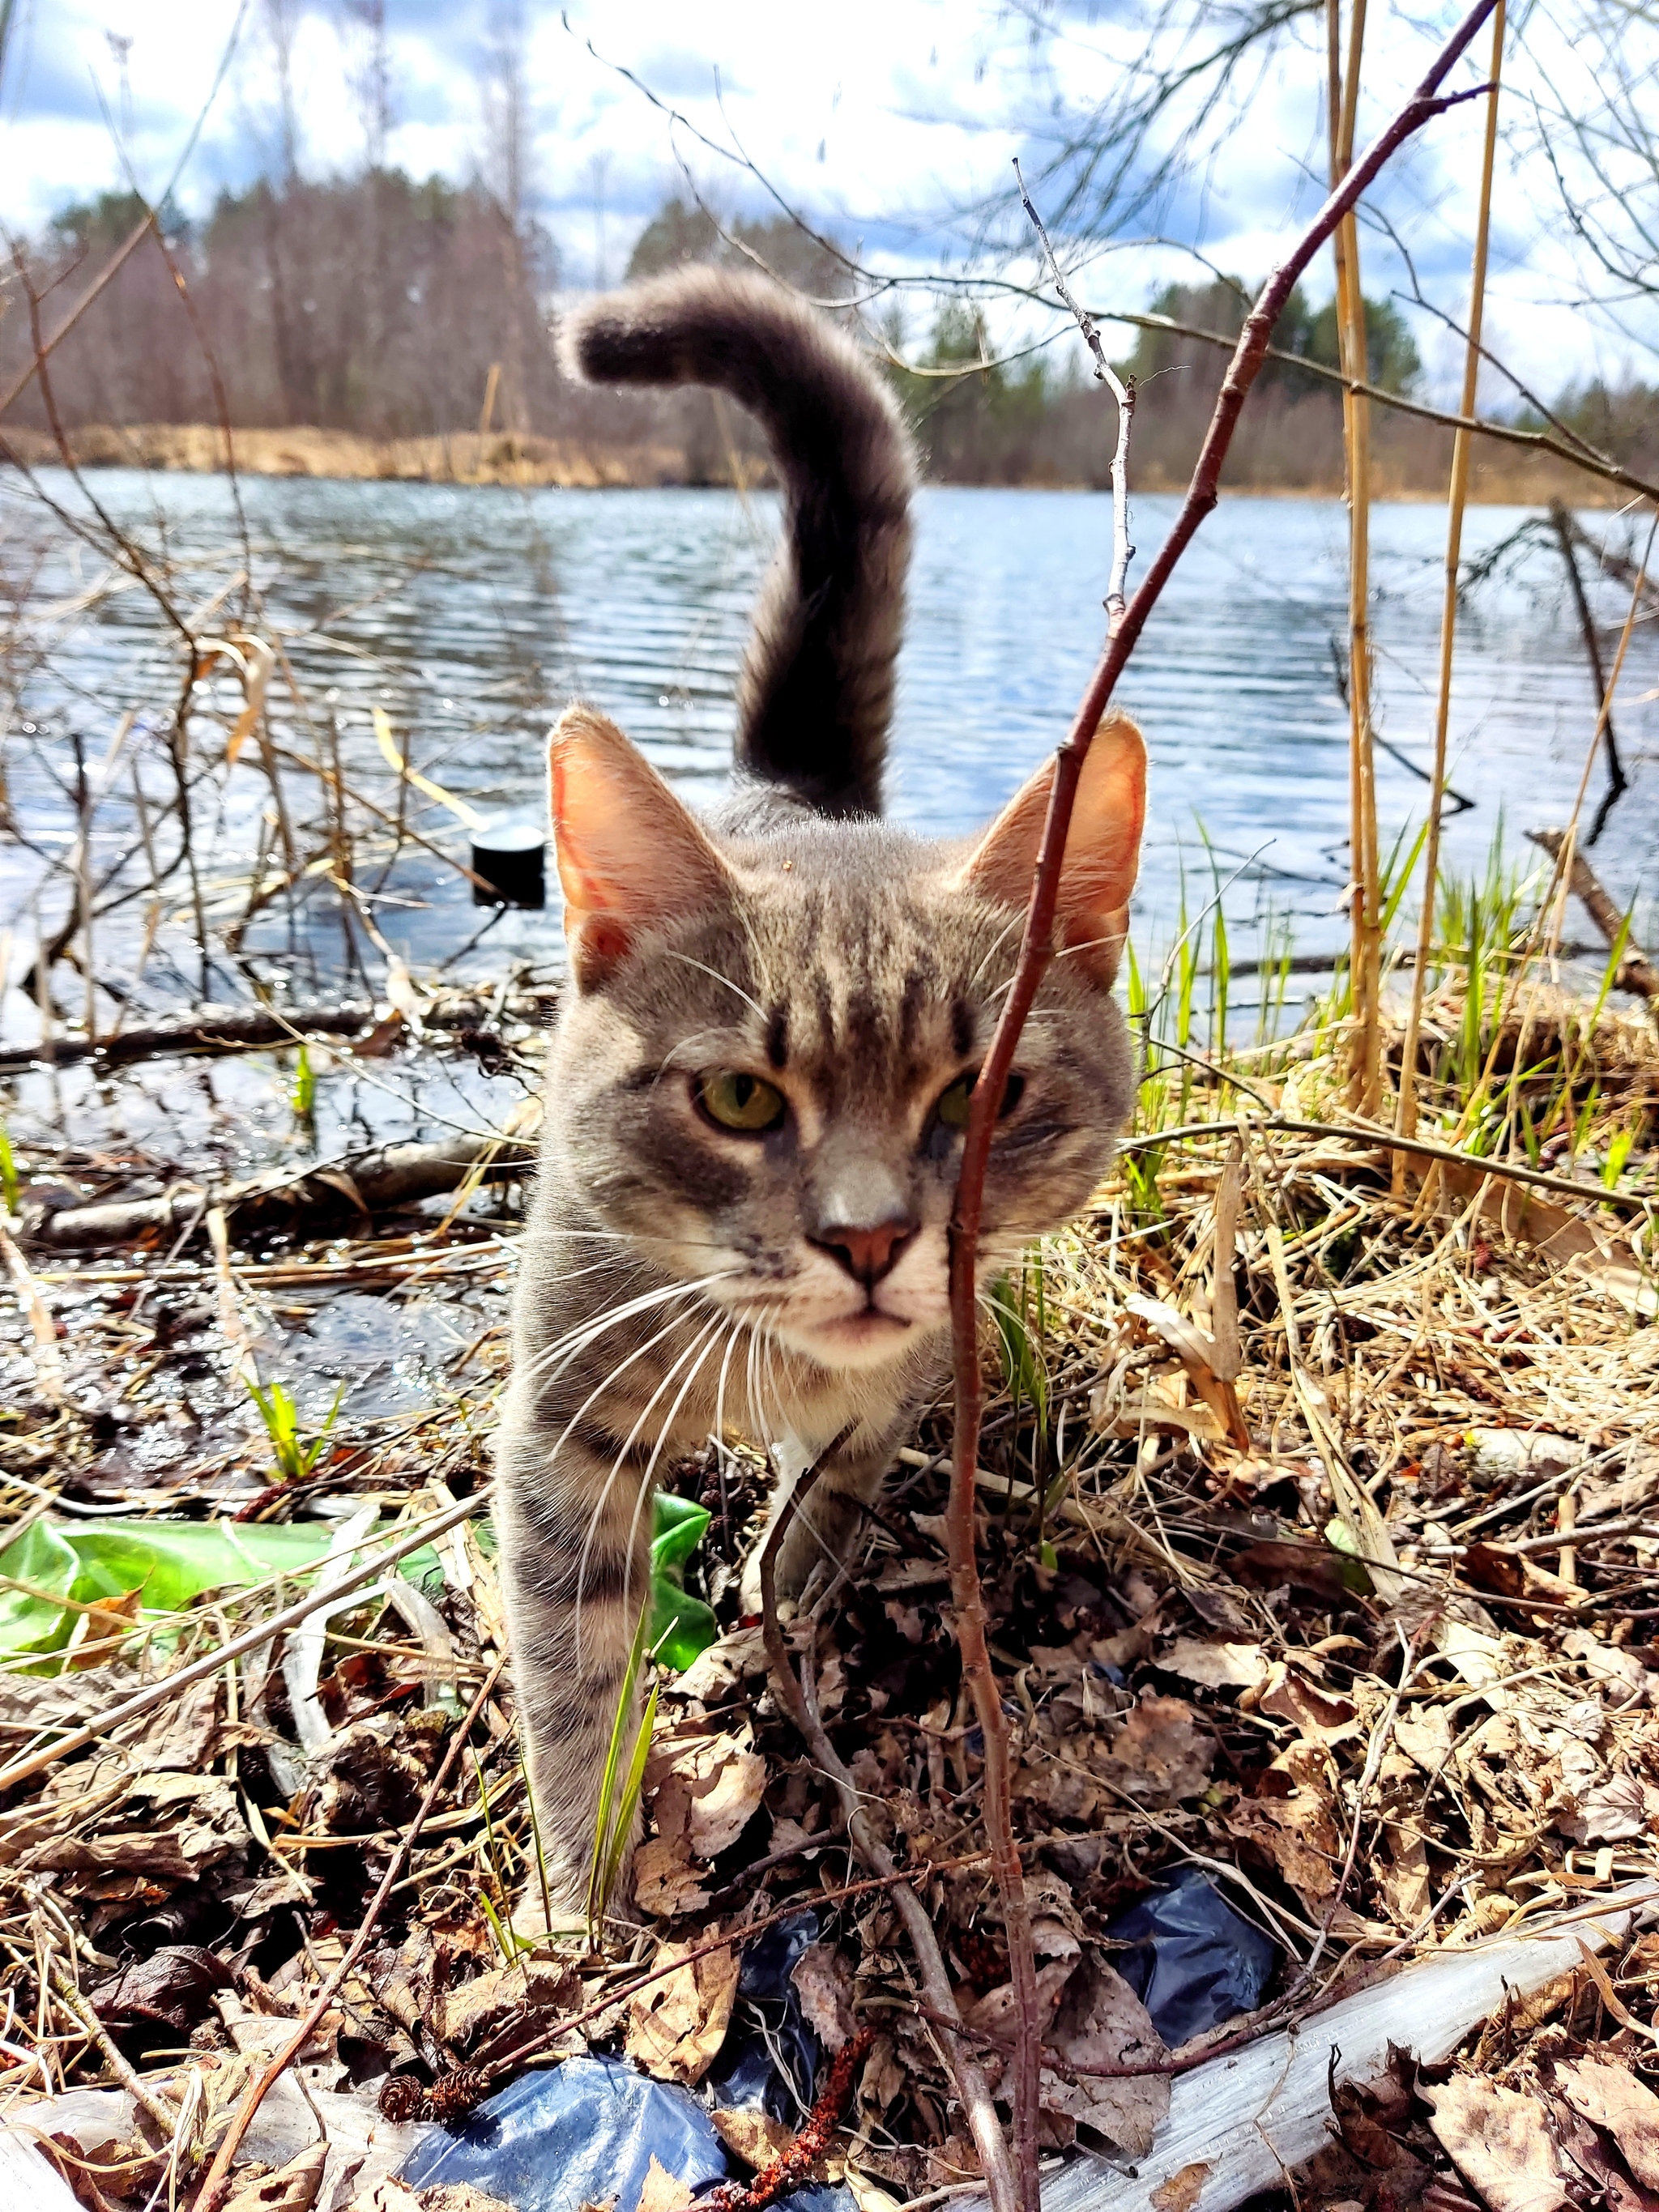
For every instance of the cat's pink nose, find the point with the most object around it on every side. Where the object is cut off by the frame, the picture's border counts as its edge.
(867, 1254)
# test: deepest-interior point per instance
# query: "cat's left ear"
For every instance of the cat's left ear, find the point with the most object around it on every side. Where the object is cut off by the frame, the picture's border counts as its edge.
(631, 858)
(1102, 849)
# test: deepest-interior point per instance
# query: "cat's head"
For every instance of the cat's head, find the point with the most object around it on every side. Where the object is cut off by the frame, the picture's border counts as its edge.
(762, 1070)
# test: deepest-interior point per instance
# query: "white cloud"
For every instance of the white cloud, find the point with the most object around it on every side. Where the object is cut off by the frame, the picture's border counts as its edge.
(878, 116)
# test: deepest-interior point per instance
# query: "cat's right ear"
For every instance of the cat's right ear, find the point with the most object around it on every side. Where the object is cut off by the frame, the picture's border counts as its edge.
(631, 858)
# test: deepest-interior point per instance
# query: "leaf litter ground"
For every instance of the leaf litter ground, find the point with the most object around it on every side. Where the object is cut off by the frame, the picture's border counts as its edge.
(1319, 1526)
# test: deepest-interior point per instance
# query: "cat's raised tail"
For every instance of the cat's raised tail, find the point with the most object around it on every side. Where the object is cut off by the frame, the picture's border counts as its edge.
(817, 691)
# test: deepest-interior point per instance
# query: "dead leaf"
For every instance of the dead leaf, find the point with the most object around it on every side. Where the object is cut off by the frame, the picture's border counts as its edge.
(755, 2137)
(291, 2188)
(171, 1989)
(869, 2196)
(466, 2015)
(664, 1879)
(1318, 1715)
(1102, 2022)
(663, 2191)
(1329, 1574)
(1586, 2148)
(1500, 2141)
(677, 2025)
(1290, 1818)
(1216, 1665)
(1611, 1811)
(1181, 2191)
(824, 1981)
(709, 1793)
(1159, 1756)
(1612, 2098)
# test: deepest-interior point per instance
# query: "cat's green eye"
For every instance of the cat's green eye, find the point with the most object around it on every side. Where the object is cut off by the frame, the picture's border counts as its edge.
(953, 1105)
(741, 1102)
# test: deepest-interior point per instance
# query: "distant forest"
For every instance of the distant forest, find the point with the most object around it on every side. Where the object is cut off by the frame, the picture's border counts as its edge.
(391, 309)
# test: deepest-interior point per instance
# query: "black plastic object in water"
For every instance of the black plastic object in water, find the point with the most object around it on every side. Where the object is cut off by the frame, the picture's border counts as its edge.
(1192, 1961)
(511, 857)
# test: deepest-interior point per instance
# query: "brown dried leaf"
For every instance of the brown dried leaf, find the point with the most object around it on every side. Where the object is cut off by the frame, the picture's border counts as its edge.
(1500, 2141)
(1160, 1755)
(754, 2136)
(663, 2191)
(173, 1988)
(677, 2025)
(1292, 1819)
(1216, 1665)
(1181, 2191)
(1612, 2098)
(1102, 2022)
(292, 2188)
(1319, 1715)
(823, 1980)
(1611, 1811)
(664, 1879)
(709, 1793)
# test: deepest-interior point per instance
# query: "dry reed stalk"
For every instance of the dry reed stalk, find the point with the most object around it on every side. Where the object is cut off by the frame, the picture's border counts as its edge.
(1365, 891)
(1406, 1117)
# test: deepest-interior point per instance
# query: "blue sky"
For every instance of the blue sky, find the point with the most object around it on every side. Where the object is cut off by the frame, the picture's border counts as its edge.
(878, 116)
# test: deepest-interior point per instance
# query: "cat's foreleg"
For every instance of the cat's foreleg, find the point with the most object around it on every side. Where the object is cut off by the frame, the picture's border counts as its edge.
(831, 1523)
(576, 1562)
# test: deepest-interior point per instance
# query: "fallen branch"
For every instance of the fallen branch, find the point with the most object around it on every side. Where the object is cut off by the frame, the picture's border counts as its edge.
(799, 1699)
(215, 1031)
(1617, 783)
(217, 2181)
(1036, 949)
(1239, 2123)
(361, 1183)
(1635, 972)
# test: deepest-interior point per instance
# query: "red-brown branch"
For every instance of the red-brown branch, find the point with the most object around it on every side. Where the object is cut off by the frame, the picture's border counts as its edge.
(1037, 948)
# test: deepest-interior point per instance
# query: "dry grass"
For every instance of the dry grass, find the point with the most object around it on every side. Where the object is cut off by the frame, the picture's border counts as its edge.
(1329, 1562)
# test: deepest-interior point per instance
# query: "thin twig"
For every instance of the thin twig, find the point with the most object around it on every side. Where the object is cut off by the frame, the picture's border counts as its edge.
(1123, 391)
(800, 1703)
(211, 2193)
(1035, 950)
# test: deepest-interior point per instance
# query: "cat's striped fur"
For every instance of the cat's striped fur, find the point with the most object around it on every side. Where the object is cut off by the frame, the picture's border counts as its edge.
(680, 1276)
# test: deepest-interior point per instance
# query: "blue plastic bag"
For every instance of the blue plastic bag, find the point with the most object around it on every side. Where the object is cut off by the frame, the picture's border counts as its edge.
(1192, 1961)
(582, 2134)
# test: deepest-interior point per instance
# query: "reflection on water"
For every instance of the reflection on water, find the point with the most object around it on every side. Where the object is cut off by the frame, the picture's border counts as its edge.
(471, 614)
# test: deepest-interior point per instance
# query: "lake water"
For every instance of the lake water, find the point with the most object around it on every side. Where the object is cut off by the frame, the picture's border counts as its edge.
(472, 615)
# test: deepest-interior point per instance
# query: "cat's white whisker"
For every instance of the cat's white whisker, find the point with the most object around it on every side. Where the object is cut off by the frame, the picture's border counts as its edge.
(715, 976)
(694, 1349)
(579, 1340)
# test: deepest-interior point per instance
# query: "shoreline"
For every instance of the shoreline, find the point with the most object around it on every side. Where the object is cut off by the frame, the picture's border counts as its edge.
(515, 461)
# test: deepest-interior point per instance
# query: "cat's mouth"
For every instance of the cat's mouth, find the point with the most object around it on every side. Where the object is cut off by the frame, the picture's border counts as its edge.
(870, 1324)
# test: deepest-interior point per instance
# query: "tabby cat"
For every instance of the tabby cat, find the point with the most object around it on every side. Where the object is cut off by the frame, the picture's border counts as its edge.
(760, 1076)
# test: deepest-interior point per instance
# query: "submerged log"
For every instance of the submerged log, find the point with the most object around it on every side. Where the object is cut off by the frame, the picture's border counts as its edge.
(217, 1029)
(1636, 972)
(358, 1186)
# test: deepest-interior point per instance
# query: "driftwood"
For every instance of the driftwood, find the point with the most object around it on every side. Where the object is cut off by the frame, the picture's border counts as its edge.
(1636, 973)
(217, 1029)
(358, 1185)
(1238, 2123)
